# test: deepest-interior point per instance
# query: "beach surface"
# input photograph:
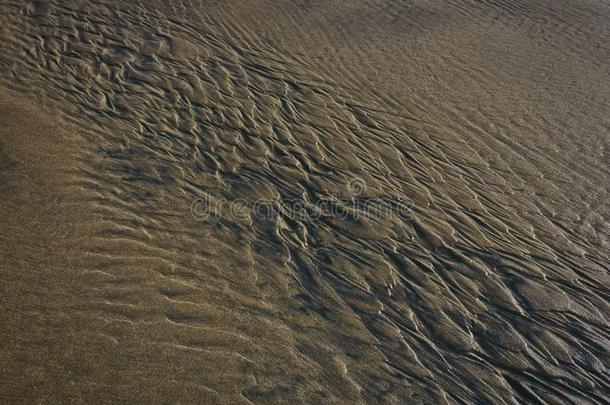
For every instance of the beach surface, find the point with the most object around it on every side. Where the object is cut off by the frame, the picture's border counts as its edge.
(304, 201)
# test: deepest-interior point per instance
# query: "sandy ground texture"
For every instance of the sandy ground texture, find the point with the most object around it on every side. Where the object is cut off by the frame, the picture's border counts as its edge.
(305, 201)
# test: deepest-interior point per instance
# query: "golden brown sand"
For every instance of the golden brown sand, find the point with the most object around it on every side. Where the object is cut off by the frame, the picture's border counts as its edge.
(304, 201)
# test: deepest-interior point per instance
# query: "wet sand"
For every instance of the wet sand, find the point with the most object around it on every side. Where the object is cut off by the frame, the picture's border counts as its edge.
(304, 201)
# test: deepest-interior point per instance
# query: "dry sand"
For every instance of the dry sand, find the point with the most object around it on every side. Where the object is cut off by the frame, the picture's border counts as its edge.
(304, 201)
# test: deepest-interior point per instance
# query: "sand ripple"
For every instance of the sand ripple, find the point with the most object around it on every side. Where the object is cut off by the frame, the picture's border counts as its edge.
(482, 276)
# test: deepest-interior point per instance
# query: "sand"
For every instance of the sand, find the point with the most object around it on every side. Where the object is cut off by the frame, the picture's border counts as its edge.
(304, 201)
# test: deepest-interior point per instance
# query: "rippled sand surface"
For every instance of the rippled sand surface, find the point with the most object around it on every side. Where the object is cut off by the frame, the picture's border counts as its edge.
(305, 201)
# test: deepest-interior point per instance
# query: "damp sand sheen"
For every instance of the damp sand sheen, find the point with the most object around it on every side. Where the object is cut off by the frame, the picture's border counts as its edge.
(365, 201)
